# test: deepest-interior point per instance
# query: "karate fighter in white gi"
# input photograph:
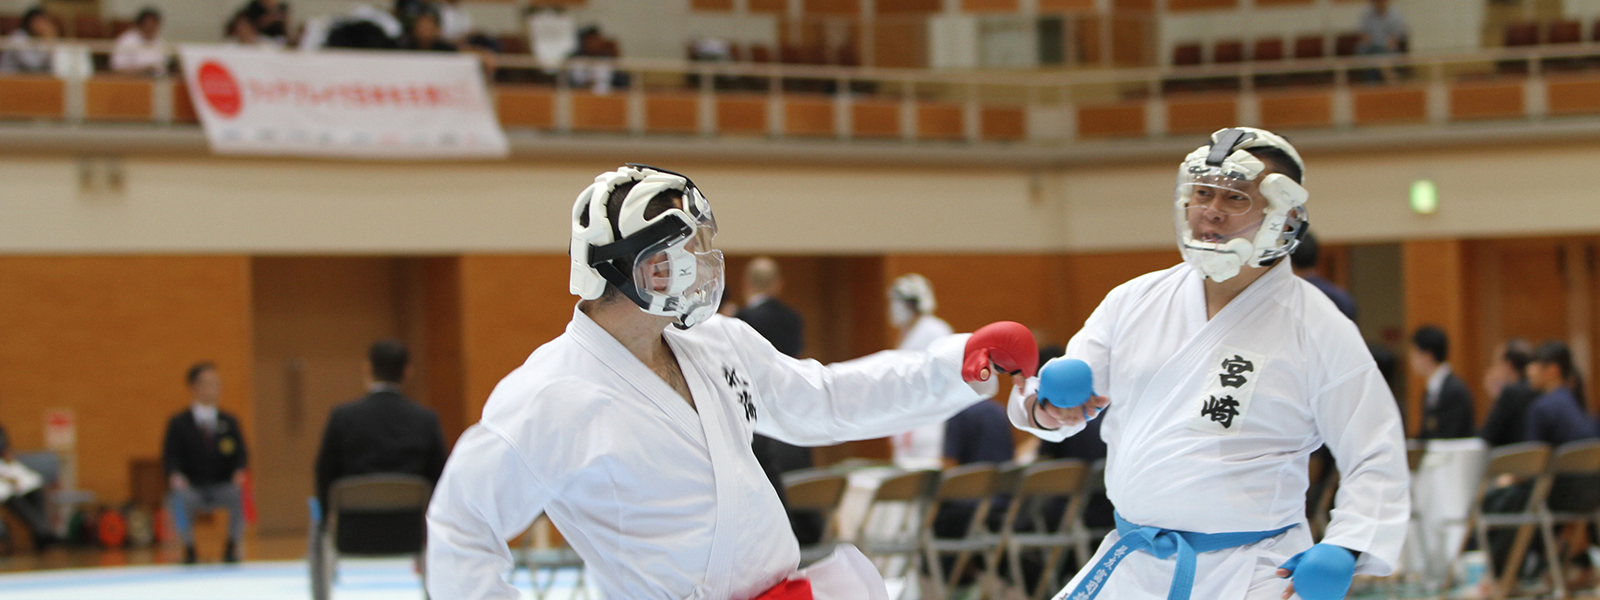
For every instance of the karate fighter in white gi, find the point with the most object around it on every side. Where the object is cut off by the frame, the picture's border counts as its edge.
(632, 430)
(1227, 372)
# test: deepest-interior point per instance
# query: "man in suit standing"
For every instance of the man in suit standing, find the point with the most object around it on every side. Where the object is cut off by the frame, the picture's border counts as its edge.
(204, 457)
(1446, 403)
(785, 329)
(383, 431)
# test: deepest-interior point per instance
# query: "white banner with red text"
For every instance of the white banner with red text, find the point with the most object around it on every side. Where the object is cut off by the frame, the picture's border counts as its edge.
(352, 104)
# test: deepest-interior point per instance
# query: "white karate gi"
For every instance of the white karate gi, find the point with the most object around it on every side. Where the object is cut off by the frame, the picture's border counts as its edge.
(1241, 465)
(921, 447)
(661, 500)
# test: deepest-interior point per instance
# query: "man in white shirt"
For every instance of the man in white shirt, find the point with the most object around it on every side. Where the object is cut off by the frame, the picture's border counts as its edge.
(1227, 372)
(140, 50)
(632, 430)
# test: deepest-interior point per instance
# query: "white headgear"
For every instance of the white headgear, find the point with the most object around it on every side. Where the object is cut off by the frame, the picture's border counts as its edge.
(1218, 179)
(910, 295)
(666, 264)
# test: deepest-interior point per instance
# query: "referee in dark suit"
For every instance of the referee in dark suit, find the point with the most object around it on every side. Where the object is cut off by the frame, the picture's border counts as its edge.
(382, 432)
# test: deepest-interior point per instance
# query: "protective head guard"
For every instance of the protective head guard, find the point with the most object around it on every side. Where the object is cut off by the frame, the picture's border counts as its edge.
(666, 263)
(910, 296)
(1227, 218)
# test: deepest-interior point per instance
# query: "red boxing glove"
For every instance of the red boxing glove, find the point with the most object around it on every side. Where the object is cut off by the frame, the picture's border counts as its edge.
(1008, 344)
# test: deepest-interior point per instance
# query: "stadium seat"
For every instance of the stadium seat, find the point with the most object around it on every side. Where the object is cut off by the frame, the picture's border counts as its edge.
(1267, 50)
(1187, 55)
(1227, 52)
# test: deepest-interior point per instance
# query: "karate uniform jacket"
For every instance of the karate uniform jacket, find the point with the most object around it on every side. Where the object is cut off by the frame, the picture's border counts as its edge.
(662, 500)
(1215, 419)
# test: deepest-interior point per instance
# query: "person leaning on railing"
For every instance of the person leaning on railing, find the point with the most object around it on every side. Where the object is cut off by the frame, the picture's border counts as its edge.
(24, 51)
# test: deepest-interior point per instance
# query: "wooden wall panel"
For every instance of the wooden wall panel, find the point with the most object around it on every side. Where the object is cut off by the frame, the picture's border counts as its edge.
(1437, 292)
(525, 106)
(875, 119)
(1204, 114)
(989, 6)
(1289, 110)
(40, 97)
(110, 338)
(1003, 124)
(741, 115)
(118, 99)
(1566, 95)
(895, 7)
(182, 104)
(844, 8)
(1486, 101)
(510, 305)
(1390, 105)
(1120, 120)
(1182, 5)
(1087, 278)
(596, 112)
(672, 113)
(900, 43)
(1066, 5)
(808, 117)
(941, 122)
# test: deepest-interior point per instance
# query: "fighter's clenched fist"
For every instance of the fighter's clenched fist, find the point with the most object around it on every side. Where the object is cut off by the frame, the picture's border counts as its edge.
(1007, 344)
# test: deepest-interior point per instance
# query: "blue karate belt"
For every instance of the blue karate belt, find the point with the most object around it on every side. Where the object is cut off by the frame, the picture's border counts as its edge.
(1163, 543)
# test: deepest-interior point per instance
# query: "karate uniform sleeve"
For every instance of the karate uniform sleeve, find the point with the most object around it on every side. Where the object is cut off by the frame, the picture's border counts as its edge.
(1092, 345)
(487, 495)
(806, 403)
(1357, 418)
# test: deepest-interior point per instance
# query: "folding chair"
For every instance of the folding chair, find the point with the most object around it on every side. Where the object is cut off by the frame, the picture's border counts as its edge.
(1041, 484)
(1573, 497)
(973, 483)
(816, 490)
(1522, 463)
(542, 560)
(902, 500)
(368, 515)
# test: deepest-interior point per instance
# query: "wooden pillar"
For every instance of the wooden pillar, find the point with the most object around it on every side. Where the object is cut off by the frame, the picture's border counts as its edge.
(1437, 293)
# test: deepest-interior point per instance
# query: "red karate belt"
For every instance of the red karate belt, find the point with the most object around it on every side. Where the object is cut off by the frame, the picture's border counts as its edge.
(789, 589)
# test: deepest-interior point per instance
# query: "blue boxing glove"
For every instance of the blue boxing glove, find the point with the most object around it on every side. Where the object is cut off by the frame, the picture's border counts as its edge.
(1066, 382)
(1322, 572)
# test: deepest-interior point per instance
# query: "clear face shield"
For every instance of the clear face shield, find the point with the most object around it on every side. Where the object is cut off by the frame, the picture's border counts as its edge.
(683, 273)
(1217, 209)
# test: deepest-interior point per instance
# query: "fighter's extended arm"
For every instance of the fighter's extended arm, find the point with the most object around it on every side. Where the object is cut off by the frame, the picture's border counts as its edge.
(1358, 419)
(487, 495)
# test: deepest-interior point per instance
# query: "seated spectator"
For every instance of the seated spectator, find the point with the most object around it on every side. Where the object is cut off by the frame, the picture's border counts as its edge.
(1558, 416)
(600, 76)
(425, 34)
(140, 50)
(1506, 380)
(980, 433)
(241, 31)
(270, 18)
(204, 456)
(553, 36)
(1446, 401)
(22, 491)
(1382, 29)
(383, 431)
(25, 52)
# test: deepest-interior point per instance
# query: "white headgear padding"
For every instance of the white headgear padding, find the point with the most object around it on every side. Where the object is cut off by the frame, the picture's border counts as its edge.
(1227, 159)
(914, 289)
(665, 264)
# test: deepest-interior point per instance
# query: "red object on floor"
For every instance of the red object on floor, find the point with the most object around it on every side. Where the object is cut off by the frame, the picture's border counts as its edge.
(247, 493)
(112, 531)
(792, 589)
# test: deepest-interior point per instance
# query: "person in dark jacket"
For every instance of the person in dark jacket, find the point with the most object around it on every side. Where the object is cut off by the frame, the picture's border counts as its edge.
(1558, 416)
(204, 457)
(382, 432)
(1446, 403)
(1507, 380)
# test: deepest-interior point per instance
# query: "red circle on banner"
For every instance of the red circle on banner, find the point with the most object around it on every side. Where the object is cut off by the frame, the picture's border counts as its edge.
(221, 91)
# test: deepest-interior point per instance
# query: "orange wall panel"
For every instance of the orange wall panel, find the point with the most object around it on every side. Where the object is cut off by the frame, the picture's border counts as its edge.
(1202, 115)
(1122, 120)
(989, 6)
(1436, 291)
(32, 96)
(885, 7)
(110, 338)
(940, 122)
(510, 305)
(1390, 105)
(1288, 110)
(875, 119)
(1566, 95)
(672, 113)
(1003, 124)
(807, 117)
(831, 7)
(525, 106)
(742, 115)
(595, 112)
(118, 99)
(1066, 5)
(1486, 101)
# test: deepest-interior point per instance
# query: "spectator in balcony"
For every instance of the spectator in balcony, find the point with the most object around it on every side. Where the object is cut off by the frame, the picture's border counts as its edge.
(454, 24)
(22, 491)
(204, 456)
(1506, 381)
(552, 35)
(25, 52)
(140, 50)
(423, 33)
(270, 18)
(242, 32)
(1382, 29)
(599, 75)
